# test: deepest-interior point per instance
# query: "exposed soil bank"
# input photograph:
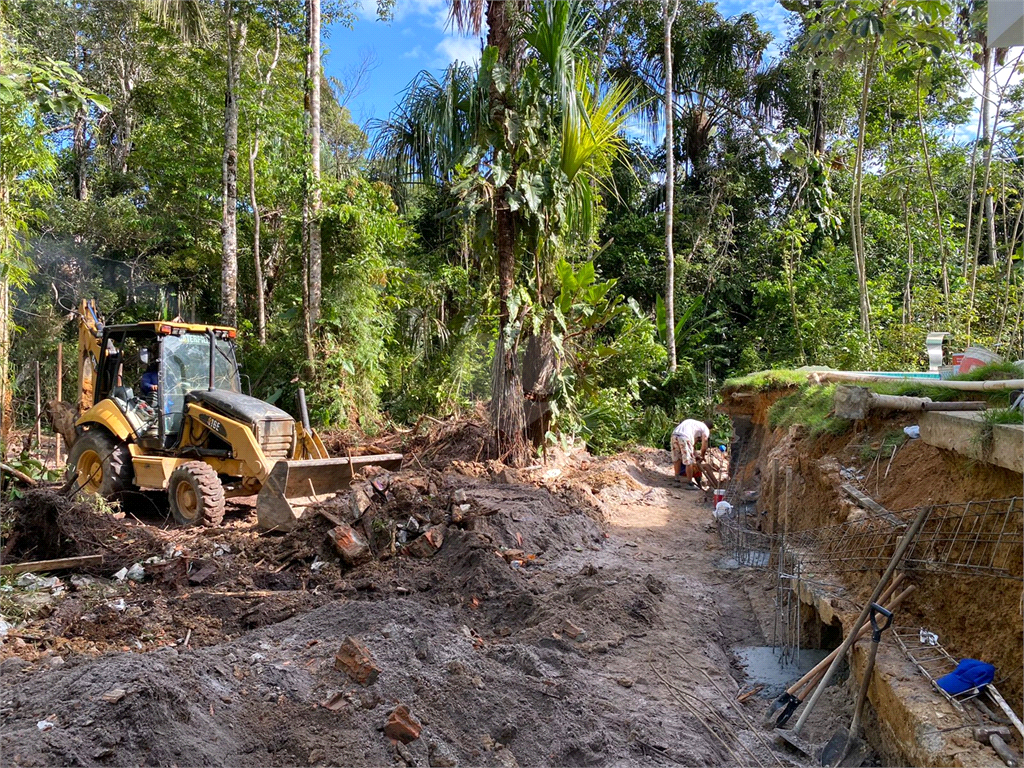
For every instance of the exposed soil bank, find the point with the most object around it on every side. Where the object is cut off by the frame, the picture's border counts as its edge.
(800, 481)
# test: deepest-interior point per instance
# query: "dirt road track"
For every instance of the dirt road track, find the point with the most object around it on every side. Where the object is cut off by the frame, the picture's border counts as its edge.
(601, 655)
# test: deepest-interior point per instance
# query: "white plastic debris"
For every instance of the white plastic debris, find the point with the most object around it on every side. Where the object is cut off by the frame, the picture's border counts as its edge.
(912, 432)
(121, 575)
(928, 638)
(32, 582)
(317, 565)
(45, 725)
(257, 657)
(4, 628)
(137, 572)
(722, 509)
(221, 549)
(118, 605)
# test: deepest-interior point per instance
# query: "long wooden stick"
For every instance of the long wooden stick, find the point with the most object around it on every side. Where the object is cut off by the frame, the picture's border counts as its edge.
(998, 699)
(61, 564)
(820, 666)
(904, 545)
(18, 474)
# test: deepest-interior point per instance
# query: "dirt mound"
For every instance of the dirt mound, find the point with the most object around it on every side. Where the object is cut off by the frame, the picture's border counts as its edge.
(495, 643)
(47, 525)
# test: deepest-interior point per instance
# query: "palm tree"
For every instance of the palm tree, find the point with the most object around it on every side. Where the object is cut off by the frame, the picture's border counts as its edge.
(507, 409)
(440, 122)
(702, 75)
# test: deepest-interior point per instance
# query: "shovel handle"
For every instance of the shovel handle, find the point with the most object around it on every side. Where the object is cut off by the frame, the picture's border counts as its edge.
(815, 673)
(876, 629)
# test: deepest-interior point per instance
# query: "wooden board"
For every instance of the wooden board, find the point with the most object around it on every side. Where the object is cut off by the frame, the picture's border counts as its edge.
(62, 564)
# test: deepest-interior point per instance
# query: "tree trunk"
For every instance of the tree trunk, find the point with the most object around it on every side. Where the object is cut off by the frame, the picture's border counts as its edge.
(257, 219)
(235, 36)
(908, 286)
(989, 134)
(312, 215)
(935, 200)
(257, 259)
(80, 151)
(990, 215)
(859, 256)
(669, 8)
(817, 112)
(507, 401)
(6, 411)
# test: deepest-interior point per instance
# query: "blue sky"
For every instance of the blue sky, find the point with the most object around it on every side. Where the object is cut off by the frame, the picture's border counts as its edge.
(419, 38)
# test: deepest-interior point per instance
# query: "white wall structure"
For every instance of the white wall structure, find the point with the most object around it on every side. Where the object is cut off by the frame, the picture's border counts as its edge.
(1005, 23)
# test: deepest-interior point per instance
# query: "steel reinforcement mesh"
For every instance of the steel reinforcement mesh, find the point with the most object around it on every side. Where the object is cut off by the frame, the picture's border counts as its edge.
(978, 537)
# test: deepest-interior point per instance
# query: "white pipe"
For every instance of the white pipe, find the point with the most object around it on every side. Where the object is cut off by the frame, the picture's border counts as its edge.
(967, 386)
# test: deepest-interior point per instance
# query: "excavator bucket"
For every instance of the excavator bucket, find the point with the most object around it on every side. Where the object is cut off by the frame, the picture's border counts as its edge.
(294, 485)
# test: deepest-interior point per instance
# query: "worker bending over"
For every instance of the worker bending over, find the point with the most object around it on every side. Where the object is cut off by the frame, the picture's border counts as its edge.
(684, 438)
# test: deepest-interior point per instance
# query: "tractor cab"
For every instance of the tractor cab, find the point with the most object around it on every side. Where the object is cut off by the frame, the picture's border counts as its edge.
(148, 370)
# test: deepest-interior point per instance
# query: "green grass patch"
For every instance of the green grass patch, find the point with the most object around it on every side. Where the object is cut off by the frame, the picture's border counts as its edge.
(767, 381)
(810, 407)
(993, 417)
(992, 372)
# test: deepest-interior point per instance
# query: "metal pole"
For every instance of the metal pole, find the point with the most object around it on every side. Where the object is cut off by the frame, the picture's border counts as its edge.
(905, 542)
(58, 459)
(39, 413)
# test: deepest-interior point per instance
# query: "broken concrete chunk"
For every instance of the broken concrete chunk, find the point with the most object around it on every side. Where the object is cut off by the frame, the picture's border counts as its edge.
(440, 755)
(361, 500)
(402, 726)
(381, 481)
(350, 545)
(428, 543)
(573, 631)
(354, 658)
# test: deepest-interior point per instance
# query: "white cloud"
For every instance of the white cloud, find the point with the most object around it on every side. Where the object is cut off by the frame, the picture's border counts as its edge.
(452, 49)
(435, 10)
(415, 53)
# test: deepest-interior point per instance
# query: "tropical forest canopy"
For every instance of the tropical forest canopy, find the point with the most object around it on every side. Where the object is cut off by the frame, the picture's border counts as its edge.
(536, 231)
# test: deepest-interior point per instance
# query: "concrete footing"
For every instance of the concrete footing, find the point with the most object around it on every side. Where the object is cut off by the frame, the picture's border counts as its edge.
(962, 433)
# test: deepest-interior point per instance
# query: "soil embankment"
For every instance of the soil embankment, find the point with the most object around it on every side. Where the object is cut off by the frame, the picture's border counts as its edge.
(573, 616)
(967, 567)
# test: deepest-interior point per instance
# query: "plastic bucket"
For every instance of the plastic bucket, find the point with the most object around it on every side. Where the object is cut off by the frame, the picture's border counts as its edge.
(975, 357)
(719, 495)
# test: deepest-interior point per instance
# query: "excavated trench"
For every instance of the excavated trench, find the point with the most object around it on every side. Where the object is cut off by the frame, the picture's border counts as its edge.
(833, 546)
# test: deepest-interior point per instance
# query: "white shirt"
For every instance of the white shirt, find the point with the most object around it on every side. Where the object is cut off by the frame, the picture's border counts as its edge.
(690, 429)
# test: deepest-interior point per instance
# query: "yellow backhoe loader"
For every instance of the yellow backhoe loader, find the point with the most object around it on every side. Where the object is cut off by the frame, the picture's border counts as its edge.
(161, 408)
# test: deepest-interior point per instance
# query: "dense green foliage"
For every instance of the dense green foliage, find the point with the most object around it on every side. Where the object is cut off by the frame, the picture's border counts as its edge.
(832, 206)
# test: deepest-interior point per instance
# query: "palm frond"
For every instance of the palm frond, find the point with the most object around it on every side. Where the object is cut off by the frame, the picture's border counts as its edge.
(431, 129)
(185, 17)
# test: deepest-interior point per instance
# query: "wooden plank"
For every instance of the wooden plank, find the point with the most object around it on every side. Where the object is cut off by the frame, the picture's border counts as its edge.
(61, 564)
(865, 501)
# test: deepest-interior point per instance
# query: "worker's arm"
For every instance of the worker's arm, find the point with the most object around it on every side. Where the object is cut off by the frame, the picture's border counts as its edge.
(703, 446)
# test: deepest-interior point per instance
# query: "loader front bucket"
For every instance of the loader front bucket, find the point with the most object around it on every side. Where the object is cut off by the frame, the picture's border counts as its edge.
(294, 485)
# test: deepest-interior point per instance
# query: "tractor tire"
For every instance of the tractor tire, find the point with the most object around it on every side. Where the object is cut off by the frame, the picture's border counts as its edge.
(196, 494)
(100, 464)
